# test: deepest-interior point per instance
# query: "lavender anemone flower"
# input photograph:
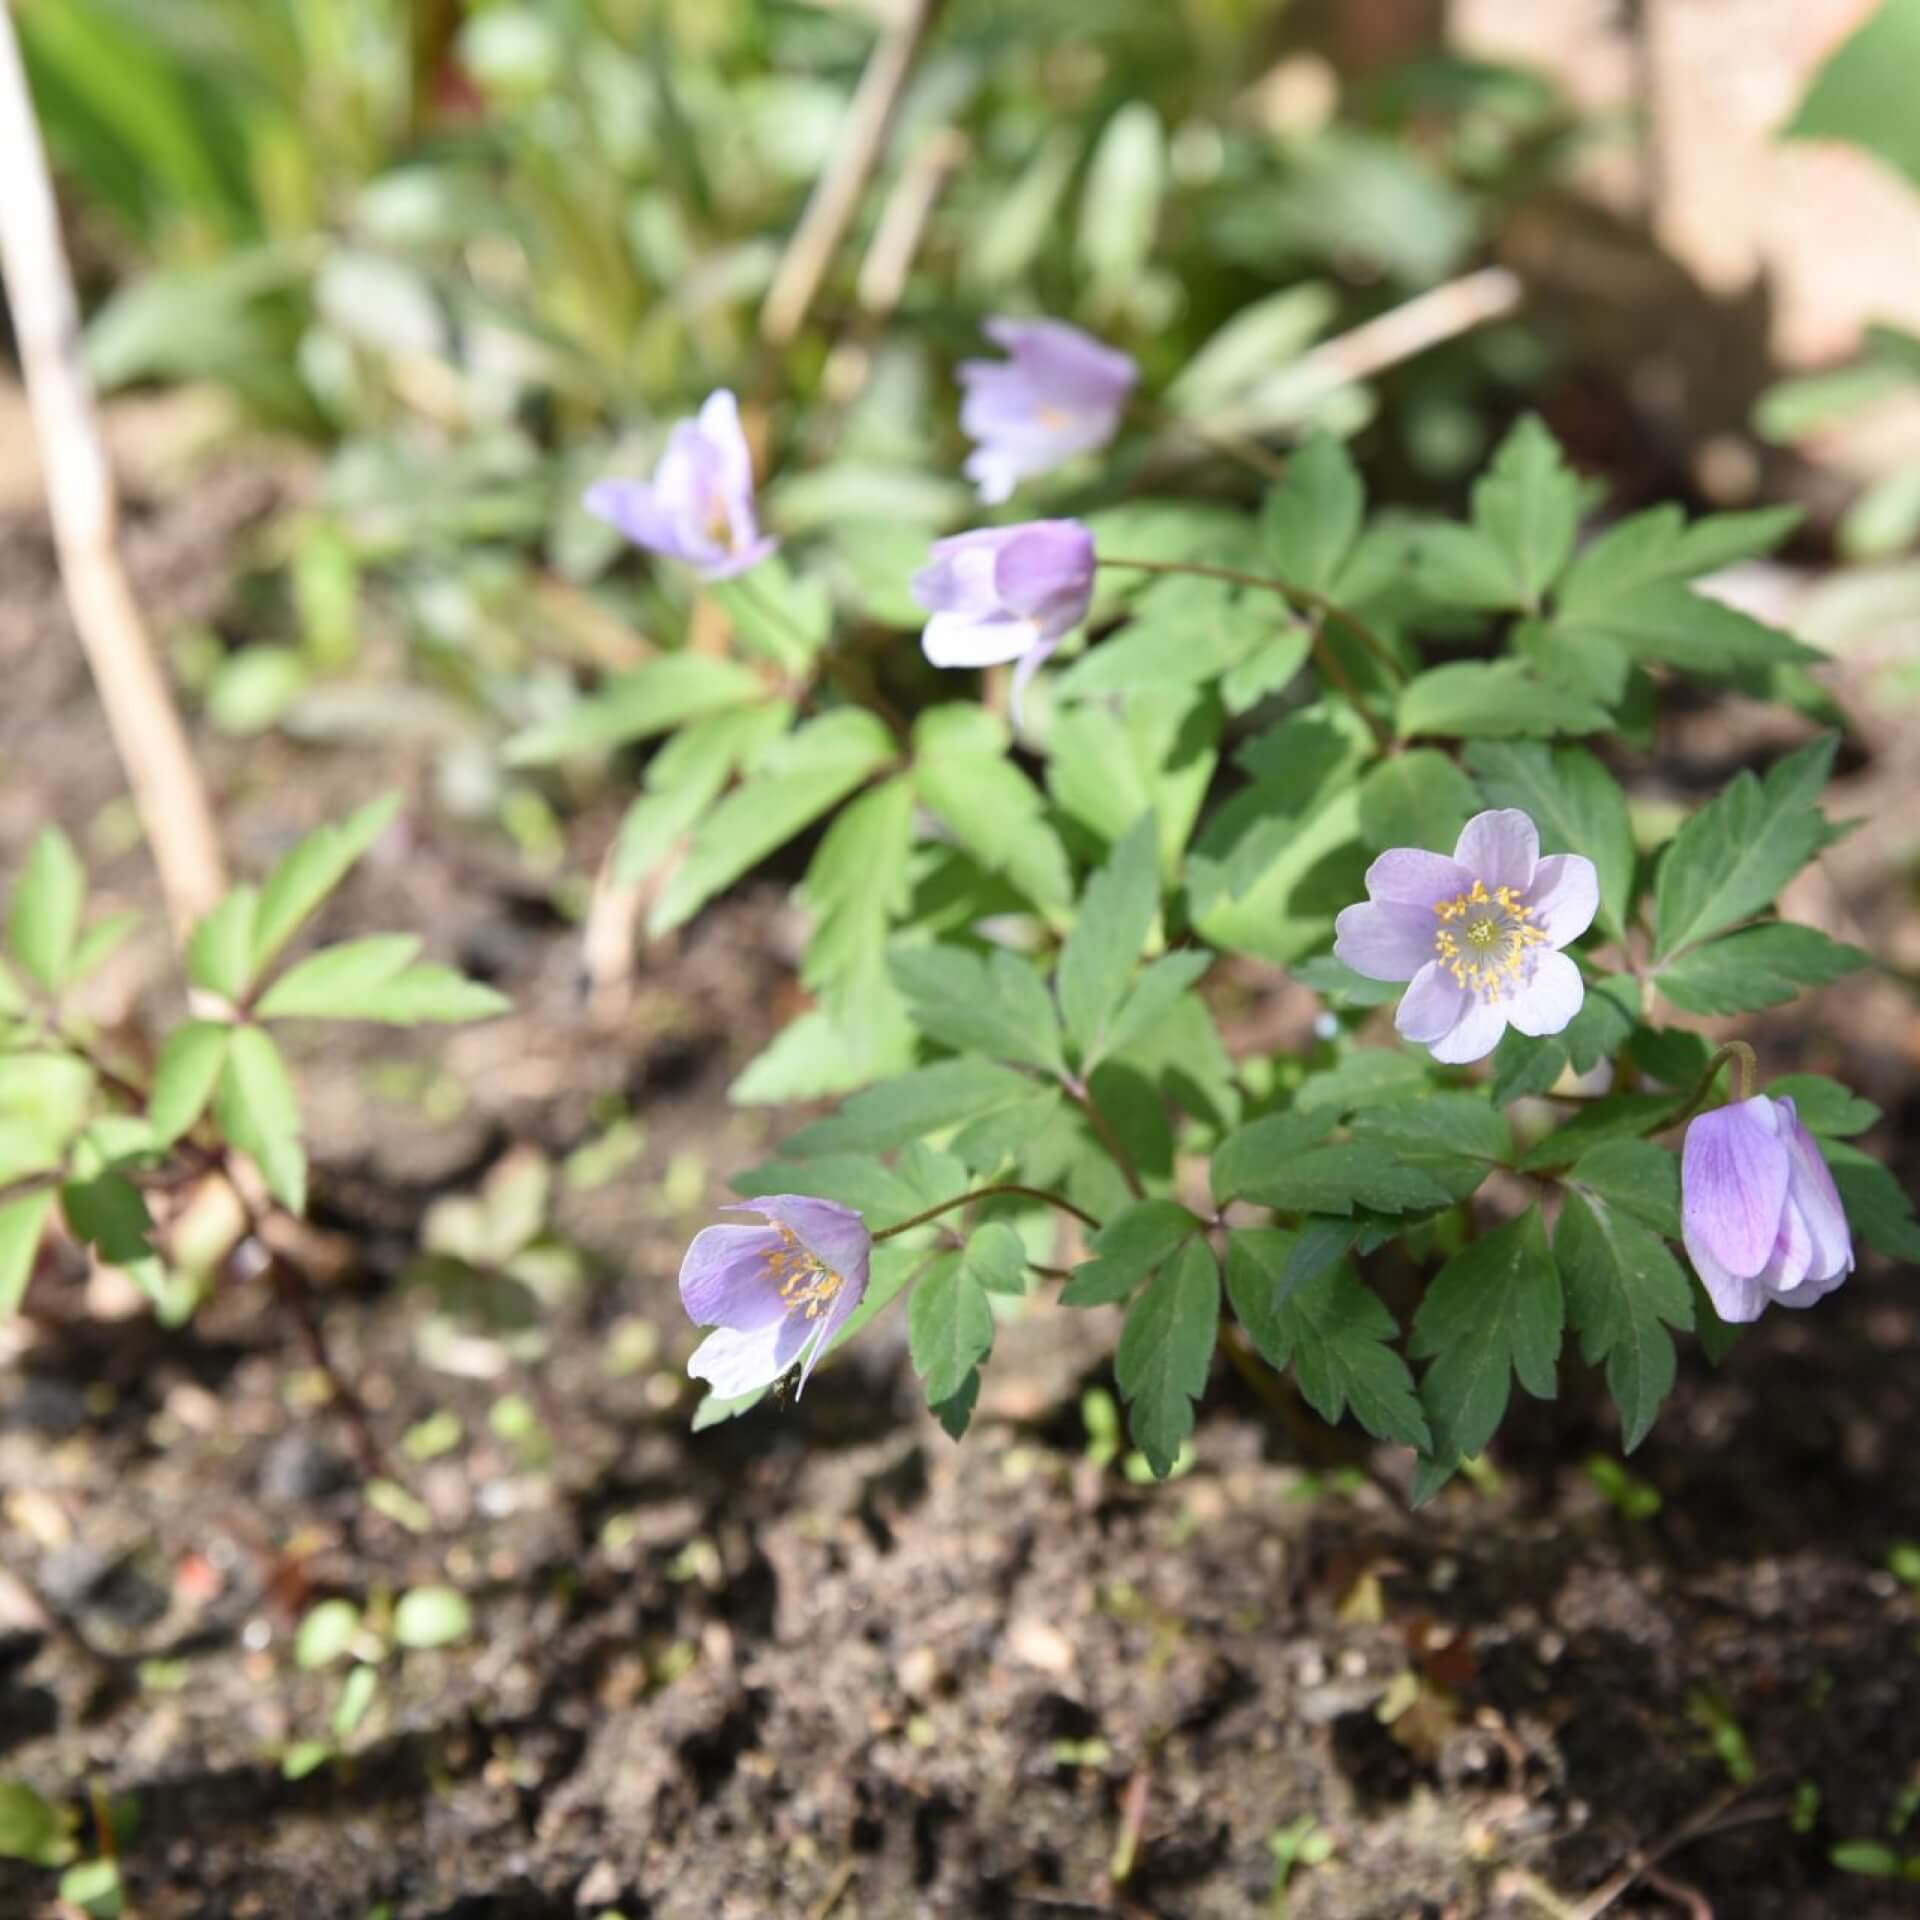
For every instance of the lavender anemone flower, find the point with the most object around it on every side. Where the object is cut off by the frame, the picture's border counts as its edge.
(698, 507)
(1478, 936)
(1005, 593)
(773, 1294)
(1759, 1212)
(1061, 393)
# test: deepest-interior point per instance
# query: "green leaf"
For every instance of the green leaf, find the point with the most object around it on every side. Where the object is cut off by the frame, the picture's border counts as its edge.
(357, 1693)
(1577, 806)
(326, 1632)
(992, 809)
(997, 1005)
(108, 1213)
(1525, 1064)
(949, 1327)
(1658, 545)
(664, 694)
(1265, 1147)
(1337, 1179)
(1634, 1177)
(997, 1258)
(792, 785)
(1164, 1352)
(47, 905)
(1416, 799)
(1824, 1105)
(432, 1617)
(1494, 1311)
(1493, 699)
(686, 777)
(185, 1076)
(1128, 1248)
(1462, 567)
(1154, 995)
(1618, 1116)
(1669, 622)
(374, 979)
(31, 1828)
(1456, 1139)
(1732, 858)
(1878, 1207)
(311, 871)
(1761, 967)
(913, 1105)
(22, 1223)
(778, 614)
(1862, 95)
(1527, 506)
(1120, 203)
(99, 943)
(855, 884)
(1335, 1332)
(257, 1111)
(1311, 520)
(220, 949)
(1116, 915)
(1624, 1289)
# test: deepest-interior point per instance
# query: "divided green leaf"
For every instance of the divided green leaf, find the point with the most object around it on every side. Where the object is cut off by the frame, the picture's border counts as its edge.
(1116, 915)
(1165, 1349)
(47, 905)
(1763, 966)
(949, 1326)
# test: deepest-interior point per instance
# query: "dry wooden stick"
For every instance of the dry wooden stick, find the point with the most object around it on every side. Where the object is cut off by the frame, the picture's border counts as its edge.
(836, 194)
(167, 789)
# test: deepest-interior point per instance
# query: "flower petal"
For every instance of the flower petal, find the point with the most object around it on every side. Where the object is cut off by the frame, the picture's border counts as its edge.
(1733, 1185)
(1549, 997)
(1810, 1187)
(630, 507)
(1735, 1300)
(732, 1362)
(1383, 940)
(1045, 574)
(969, 640)
(1565, 896)
(1792, 1252)
(1502, 847)
(995, 473)
(724, 1279)
(1432, 1006)
(836, 1236)
(1411, 877)
(740, 558)
(1475, 1035)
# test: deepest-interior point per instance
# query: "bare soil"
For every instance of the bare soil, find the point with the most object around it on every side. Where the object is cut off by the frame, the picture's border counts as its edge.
(822, 1662)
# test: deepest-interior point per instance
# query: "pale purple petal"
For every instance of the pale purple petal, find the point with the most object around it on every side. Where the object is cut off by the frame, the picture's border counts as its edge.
(1810, 1187)
(725, 1280)
(959, 576)
(994, 473)
(1384, 941)
(733, 458)
(839, 1311)
(630, 508)
(1030, 663)
(1476, 1035)
(1550, 995)
(836, 1236)
(732, 1362)
(1502, 847)
(741, 558)
(1076, 365)
(1411, 877)
(1060, 394)
(1733, 1179)
(1046, 573)
(1432, 1006)
(1792, 1253)
(957, 640)
(1736, 1300)
(1564, 897)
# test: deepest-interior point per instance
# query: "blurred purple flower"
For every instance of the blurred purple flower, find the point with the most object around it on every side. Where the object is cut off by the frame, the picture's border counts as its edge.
(1005, 593)
(1478, 936)
(1061, 393)
(775, 1293)
(698, 507)
(1759, 1212)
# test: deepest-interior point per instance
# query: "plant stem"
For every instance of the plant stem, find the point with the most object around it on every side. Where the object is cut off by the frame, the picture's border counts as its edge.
(1745, 1070)
(1082, 1096)
(988, 1193)
(1301, 597)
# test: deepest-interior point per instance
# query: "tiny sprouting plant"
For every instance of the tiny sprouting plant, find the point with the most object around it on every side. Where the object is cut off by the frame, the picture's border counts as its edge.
(115, 1142)
(1375, 750)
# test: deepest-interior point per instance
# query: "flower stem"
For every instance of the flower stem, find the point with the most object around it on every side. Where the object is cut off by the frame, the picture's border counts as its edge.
(988, 1193)
(1745, 1070)
(1302, 598)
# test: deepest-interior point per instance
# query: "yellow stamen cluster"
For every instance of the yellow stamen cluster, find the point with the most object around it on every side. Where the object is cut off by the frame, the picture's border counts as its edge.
(1483, 938)
(802, 1280)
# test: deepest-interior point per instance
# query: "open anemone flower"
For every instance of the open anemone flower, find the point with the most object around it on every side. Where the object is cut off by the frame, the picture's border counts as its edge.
(1060, 393)
(1005, 593)
(1477, 936)
(1759, 1212)
(775, 1293)
(698, 507)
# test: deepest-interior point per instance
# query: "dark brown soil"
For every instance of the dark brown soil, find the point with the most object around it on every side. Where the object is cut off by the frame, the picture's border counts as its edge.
(822, 1662)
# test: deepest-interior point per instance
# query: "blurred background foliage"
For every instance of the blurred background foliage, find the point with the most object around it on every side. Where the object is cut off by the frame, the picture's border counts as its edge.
(477, 252)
